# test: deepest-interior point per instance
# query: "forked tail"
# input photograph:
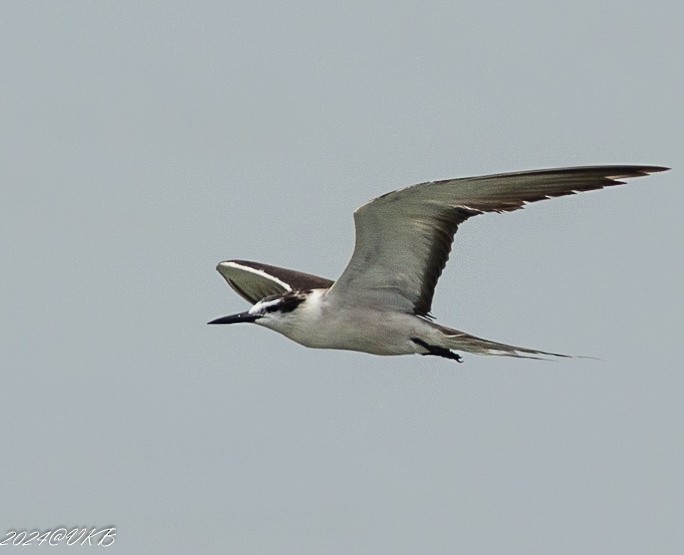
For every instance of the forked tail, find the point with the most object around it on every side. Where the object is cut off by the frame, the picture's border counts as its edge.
(461, 341)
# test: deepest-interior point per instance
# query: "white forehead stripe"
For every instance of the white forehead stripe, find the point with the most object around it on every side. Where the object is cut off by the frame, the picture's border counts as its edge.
(258, 306)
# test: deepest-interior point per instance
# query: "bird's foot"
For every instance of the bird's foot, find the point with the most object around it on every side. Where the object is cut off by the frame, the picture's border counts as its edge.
(436, 350)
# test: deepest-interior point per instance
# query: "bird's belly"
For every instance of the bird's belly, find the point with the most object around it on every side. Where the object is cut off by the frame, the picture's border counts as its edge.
(375, 332)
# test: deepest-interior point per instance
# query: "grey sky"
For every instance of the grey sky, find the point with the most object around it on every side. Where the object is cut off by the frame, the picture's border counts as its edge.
(142, 144)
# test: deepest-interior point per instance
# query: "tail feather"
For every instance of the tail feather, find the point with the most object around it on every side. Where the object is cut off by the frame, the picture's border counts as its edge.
(462, 341)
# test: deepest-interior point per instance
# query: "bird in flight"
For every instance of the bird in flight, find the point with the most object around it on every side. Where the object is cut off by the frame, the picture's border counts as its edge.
(381, 303)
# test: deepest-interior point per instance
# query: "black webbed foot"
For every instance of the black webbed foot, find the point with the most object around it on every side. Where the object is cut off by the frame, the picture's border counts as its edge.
(437, 351)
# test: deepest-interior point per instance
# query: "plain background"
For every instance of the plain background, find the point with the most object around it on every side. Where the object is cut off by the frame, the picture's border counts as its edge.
(143, 143)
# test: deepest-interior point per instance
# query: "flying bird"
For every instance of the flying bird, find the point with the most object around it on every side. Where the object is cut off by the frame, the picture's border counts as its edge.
(381, 303)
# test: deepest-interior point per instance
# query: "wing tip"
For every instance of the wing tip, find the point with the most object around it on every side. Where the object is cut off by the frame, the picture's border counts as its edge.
(223, 264)
(656, 169)
(242, 264)
(626, 172)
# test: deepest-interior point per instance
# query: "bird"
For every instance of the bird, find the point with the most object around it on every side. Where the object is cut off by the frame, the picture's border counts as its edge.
(382, 302)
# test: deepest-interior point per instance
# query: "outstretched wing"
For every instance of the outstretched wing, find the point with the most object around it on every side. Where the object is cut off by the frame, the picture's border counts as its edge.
(403, 238)
(253, 281)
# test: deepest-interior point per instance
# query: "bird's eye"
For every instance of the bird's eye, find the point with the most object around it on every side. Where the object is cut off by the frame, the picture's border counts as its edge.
(272, 308)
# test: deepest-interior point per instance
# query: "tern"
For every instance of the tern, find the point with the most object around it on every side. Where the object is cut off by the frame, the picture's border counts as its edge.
(381, 303)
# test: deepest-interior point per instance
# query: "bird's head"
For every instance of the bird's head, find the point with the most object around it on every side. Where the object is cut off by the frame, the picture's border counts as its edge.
(272, 311)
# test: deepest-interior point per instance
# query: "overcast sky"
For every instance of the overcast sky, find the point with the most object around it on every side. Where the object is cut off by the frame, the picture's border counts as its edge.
(144, 143)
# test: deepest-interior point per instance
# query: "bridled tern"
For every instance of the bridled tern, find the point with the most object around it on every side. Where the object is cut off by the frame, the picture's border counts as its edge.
(381, 303)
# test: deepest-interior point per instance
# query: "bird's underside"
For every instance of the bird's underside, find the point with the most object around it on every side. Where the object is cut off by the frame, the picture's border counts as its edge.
(381, 303)
(254, 281)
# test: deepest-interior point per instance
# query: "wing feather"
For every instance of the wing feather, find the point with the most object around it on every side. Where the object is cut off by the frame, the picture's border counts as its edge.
(254, 281)
(403, 238)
